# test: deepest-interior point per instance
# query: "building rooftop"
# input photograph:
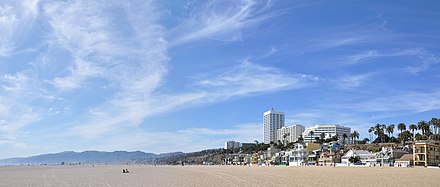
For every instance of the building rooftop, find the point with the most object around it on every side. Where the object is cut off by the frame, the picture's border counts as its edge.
(406, 157)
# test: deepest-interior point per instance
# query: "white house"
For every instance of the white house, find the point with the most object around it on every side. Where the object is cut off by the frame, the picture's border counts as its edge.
(365, 157)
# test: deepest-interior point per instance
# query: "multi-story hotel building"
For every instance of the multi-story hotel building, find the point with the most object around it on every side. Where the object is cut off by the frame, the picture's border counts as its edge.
(273, 120)
(290, 134)
(426, 153)
(328, 129)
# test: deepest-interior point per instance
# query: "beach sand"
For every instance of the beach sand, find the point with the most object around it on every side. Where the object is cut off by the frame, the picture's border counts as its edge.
(102, 175)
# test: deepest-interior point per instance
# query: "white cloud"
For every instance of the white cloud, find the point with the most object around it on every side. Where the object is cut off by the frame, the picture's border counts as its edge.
(129, 110)
(248, 78)
(352, 81)
(362, 57)
(16, 112)
(425, 58)
(426, 61)
(221, 20)
(15, 22)
(186, 140)
(82, 71)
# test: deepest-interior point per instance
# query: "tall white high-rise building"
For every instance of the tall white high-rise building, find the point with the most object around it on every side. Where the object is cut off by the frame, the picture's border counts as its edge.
(273, 120)
(290, 134)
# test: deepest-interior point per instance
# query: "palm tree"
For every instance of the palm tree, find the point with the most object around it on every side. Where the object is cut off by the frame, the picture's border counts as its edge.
(404, 136)
(322, 136)
(413, 127)
(391, 129)
(423, 126)
(434, 123)
(344, 136)
(380, 131)
(437, 125)
(370, 133)
(311, 134)
(388, 130)
(300, 138)
(401, 127)
(355, 136)
(418, 136)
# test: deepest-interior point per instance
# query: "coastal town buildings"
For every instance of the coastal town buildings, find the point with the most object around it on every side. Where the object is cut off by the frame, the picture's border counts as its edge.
(365, 157)
(330, 154)
(232, 145)
(299, 154)
(273, 120)
(389, 154)
(426, 153)
(405, 161)
(290, 134)
(236, 145)
(238, 159)
(329, 130)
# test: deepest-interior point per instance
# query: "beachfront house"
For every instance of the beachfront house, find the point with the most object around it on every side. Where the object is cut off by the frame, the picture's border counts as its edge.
(238, 159)
(405, 161)
(312, 158)
(365, 157)
(330, 154)
(388, 155)
(426, 153)
(298, 155)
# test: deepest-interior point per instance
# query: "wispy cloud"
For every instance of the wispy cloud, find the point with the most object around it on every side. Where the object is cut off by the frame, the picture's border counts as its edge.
(16, 18)
(16, 92)
(352, 81)
(221, 20)
(242, 80)
(191, 139)
(99, 49)
(248, 78)
(425, 59)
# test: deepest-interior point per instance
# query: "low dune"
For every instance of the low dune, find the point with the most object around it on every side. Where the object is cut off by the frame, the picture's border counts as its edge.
(215, 176)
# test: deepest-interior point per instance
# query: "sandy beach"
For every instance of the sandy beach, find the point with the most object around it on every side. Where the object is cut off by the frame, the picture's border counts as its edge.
(214, 176)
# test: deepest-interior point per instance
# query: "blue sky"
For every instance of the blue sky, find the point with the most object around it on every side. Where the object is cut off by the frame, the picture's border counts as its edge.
(162, 76)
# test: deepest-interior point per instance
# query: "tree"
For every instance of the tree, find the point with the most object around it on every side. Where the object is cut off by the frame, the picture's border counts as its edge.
(355, 136)
(300, 138)
(418, 136)
(391, 129)
(317, 140)
(284, 138)
(311, 134)
(344, 136)
(370, 131)
(380, 131)
(413, 127)
(335, 137)
(437, 127)
(423, 126)
(279, 144)
(364, 141)
(354, 159)
(404, 136)
(434, 123)
(401, 127)
(322, 136)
